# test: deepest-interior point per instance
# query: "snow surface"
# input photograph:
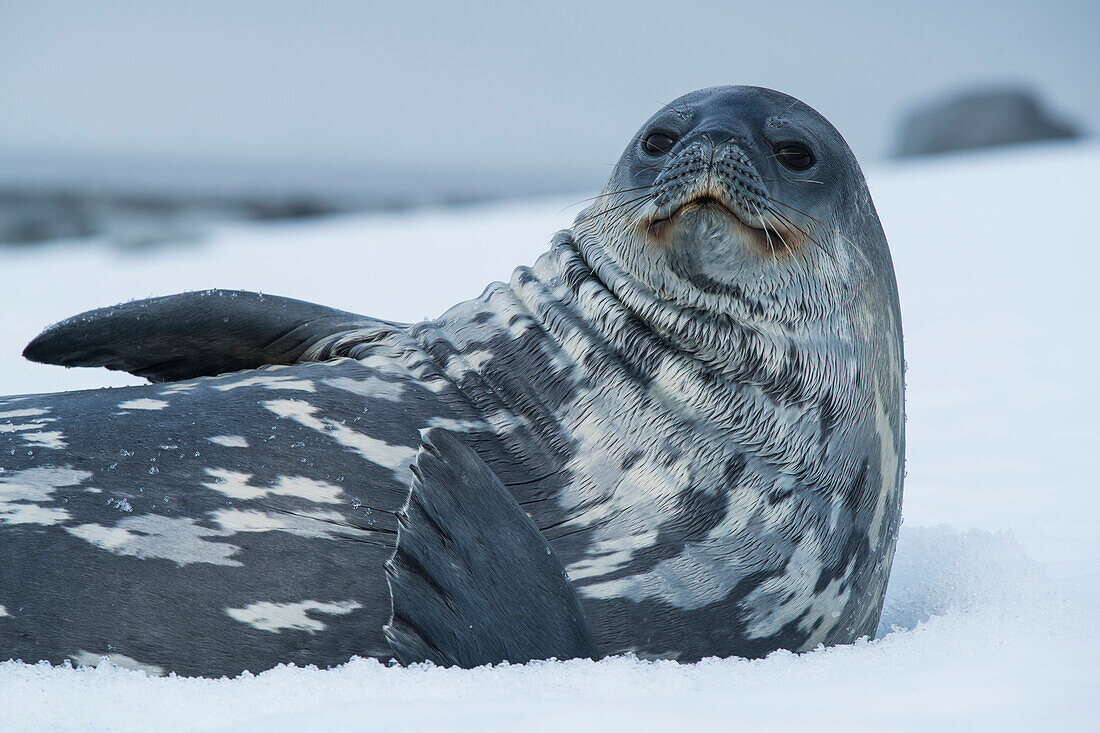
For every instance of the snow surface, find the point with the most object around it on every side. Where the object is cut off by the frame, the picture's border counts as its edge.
(991, 618)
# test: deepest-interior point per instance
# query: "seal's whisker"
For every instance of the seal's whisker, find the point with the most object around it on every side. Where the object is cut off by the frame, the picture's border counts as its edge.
(682, 110)
(834, 230)
(791, 223)
(768, 236)
(626, 210)
(797, 260)
(614, 223)
(729, 139)
(634, 167)
(773, 156)
(626, 213)
(789, 108)
(608, 193)
(805, 232)
(629, 213)
(618, 206)
(786, 245)
(783, 239)
(757, 156)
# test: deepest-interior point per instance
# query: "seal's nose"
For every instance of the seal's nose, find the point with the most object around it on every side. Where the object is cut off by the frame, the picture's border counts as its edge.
(712, 164)
(713, 144)
(715, 137)
(702, 157)
(705, 143)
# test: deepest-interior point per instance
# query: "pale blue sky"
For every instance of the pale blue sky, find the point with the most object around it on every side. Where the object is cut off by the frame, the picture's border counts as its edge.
(560, 84)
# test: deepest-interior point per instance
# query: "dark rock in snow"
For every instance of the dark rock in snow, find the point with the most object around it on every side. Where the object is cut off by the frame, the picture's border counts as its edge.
(979, 118)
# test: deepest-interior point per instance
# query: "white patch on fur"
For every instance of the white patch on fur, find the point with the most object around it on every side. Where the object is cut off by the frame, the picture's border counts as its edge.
(825, 607)
(517, 327)
(626, 507)
(32, 432)
(53, 439)
(304, 487)
(303, 524)
(457, 426)
(20, 427)
(382, 363)
(888, 458)
(33, 436)
(276, 617)
(370, 387)
(143, 403)
(396, 458)
(296, 410)
(114, 659)
(238, 485)
(269, 382)
(22, 492)
(178, 539)
(229, 441)
(780, 600)
(462, 364)
(32, 514)
(177, 388)
(240, 520)
(233, 484)
(28, 412)
(687, 581)
(434, 383)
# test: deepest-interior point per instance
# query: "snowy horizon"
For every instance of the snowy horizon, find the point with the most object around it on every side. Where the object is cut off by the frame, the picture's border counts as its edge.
(991, 619)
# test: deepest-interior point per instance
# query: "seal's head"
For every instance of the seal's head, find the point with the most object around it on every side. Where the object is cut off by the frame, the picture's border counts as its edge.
(740, 200)
(737, 229)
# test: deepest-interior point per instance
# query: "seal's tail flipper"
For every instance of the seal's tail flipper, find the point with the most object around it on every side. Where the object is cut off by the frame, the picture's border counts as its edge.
(193, 334)
(472, 580)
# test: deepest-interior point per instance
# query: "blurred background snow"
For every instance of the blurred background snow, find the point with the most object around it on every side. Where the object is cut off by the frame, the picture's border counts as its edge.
(147, 120)
(392, 159)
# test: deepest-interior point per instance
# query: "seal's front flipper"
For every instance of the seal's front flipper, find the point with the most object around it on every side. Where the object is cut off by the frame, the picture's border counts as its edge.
(473, 581)
(192, 334)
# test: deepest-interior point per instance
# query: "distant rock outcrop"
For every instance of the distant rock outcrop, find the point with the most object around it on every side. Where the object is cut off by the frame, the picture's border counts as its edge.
(980, 118)
(135, 202)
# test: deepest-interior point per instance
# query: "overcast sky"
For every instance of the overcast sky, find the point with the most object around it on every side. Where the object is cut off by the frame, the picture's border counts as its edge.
(528, 85)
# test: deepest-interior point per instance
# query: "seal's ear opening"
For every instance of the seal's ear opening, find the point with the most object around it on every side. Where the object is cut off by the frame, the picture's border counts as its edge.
(472, 580)
(190, 335)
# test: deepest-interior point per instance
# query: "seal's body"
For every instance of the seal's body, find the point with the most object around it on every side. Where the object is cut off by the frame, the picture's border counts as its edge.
(678, 434)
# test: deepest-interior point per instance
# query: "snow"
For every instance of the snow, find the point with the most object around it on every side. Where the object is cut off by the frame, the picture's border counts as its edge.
(991, 618)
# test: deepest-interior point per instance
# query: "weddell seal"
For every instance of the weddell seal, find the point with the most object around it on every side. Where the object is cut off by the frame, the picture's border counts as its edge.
(678, 434)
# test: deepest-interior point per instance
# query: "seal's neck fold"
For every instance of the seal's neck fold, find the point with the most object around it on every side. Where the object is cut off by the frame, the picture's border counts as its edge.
(580, 287)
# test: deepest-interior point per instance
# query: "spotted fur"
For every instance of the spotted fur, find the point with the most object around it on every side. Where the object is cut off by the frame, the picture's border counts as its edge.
(705, 425)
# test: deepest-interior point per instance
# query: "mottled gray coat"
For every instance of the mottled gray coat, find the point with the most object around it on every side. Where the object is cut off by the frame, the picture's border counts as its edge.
(702, 416)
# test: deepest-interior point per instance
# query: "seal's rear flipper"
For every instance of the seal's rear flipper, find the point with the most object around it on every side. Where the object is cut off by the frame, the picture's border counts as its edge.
(473, 581)
(192, 334)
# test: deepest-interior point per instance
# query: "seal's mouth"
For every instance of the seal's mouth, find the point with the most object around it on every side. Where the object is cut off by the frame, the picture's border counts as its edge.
(659, 224)
(767, 236)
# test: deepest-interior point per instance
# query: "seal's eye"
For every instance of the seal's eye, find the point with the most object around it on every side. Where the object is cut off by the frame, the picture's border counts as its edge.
(659, 143)
(794, 156)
